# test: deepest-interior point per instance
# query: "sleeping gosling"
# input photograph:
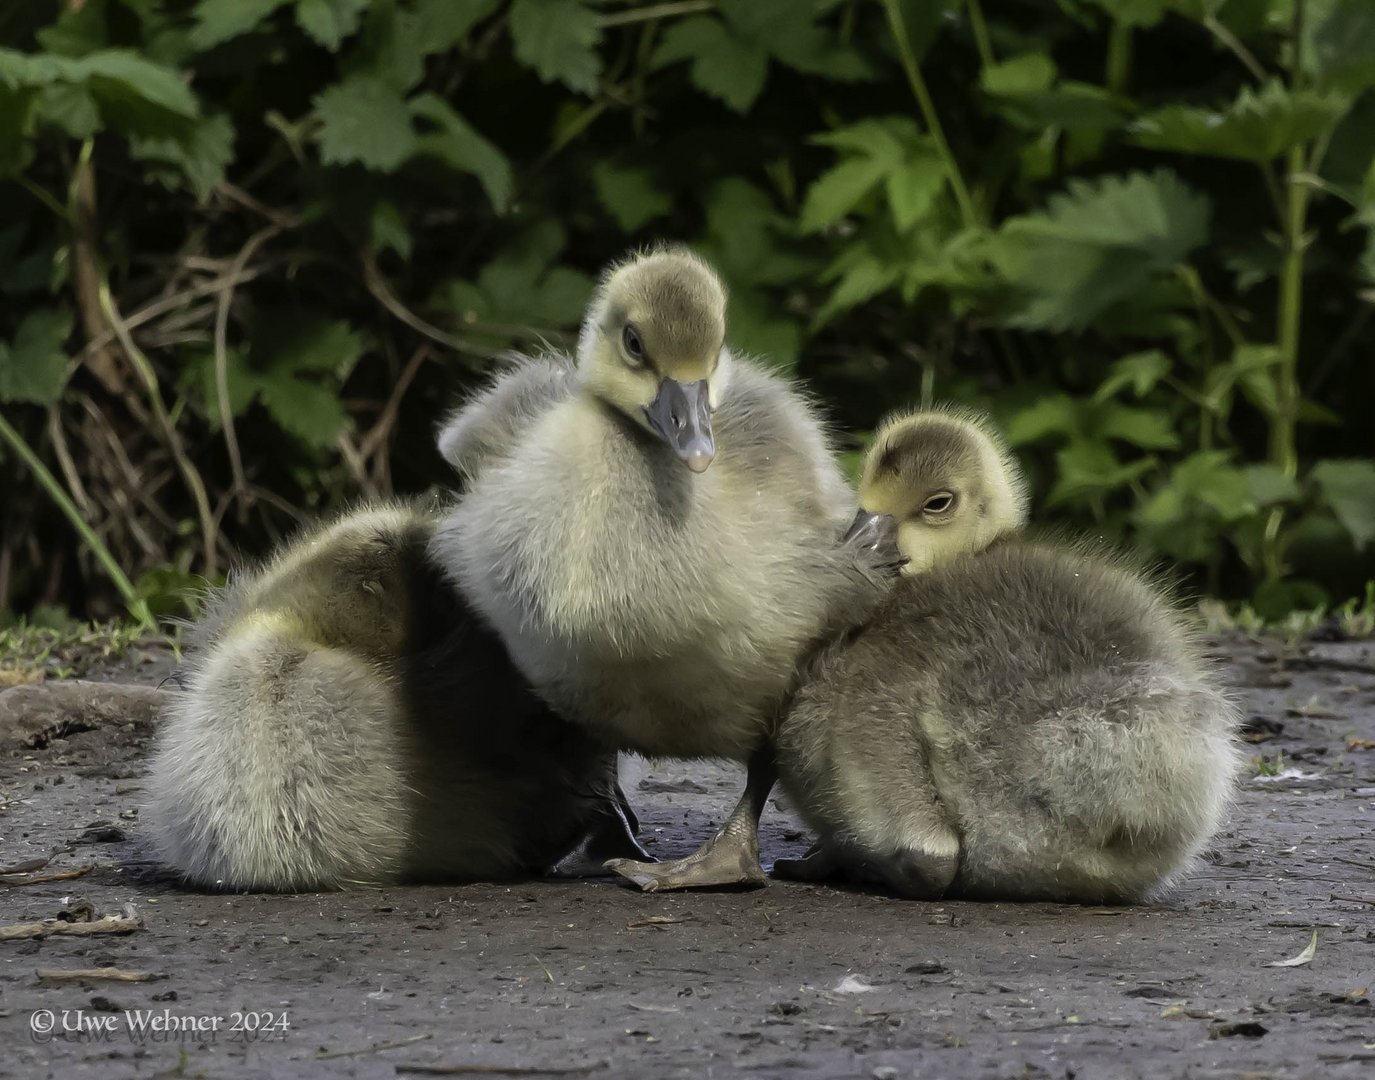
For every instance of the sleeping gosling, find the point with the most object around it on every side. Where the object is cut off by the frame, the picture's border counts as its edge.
(347, 720)
(1021, 720)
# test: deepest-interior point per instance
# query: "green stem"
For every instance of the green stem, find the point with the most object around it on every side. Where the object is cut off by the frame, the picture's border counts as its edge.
(137, 608)
(928, 112)
(1232, 44)
(1212, 303)
(980, 30)
(1119, 64)
(658, 11)
(1282, 452)
(1283, 428)
(43, 196)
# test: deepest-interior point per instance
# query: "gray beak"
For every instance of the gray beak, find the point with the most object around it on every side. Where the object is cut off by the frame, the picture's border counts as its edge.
(680, 414)
(870, 530)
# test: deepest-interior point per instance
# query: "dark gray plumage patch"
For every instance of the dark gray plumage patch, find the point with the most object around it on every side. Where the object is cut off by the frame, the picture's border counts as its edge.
(934, 448)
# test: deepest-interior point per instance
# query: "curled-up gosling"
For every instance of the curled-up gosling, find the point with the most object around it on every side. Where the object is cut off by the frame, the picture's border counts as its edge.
(657, 546)
(1021, 720)
(347, 719)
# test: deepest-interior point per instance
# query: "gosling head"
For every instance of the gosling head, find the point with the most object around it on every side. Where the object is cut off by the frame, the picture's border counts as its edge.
(947, 479)
(653, 347)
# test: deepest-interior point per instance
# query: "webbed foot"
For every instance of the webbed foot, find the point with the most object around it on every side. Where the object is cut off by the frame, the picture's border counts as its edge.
(730, 858)
(819, 864)
(727, 859)
(611, 836)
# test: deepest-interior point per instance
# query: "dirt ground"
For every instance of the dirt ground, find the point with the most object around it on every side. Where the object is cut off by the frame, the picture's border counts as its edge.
(593, 979)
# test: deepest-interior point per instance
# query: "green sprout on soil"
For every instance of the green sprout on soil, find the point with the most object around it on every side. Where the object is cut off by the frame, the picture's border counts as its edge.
(1268, 766)
(48, 645)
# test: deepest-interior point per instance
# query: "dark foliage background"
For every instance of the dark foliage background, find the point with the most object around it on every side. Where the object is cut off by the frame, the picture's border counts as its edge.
(251, 249)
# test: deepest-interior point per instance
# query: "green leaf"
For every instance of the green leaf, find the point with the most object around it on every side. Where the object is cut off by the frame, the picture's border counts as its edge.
(887, 150)
(522, 285)
(307, 410)
(197, 377)
(133, 94)
(1100, 244)
(1343, 46)
(1018, 75)
(629, 195)
(455, 143)
(1141, 371)
(1258, 126)
(33, 368)
(364, 120)
(914, 188)
(390, 47)
(1349, 489)
(71, 107)
(757, 329)
(1249, 368)
(558, 38)
(1269, 485)
(1137, 13)
(778, 28)
(1276, 599)
(322, 346)
(330, 21)
(442, 24)
(199, 157)
(80, 29)
(723, 65)
(839, 190)
(218, 21)
(388, 230)
(860, 275)
(1149, 429)
(1050, 415)
(560, 299)
(1073, 106)
(1212, 480)
(1090, 468)
(745, 233)
(17, 108)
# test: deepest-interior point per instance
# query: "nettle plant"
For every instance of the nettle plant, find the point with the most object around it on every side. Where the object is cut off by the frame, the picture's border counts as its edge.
(254, 247)
(1177, 232)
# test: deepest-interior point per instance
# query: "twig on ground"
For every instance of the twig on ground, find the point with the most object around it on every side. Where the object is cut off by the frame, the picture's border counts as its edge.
(1354, 899)
(109, 924)
(375, 1048)
(27, 866)
(103, 974)
(42, 879)
(478, 1069)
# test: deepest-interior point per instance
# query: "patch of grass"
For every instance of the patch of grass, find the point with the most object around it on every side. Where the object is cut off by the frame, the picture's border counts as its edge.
(1357, 616)
(47, 644)
(1353, 619)
(1268, 766)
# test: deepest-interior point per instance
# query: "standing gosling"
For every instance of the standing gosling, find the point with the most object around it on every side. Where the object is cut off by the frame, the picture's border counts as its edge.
(657, 546)
(348, 720)
(1021, 720)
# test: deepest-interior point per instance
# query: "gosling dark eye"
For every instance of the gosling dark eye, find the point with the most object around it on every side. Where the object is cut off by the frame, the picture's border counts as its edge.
(634, 347)
(939, 503)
